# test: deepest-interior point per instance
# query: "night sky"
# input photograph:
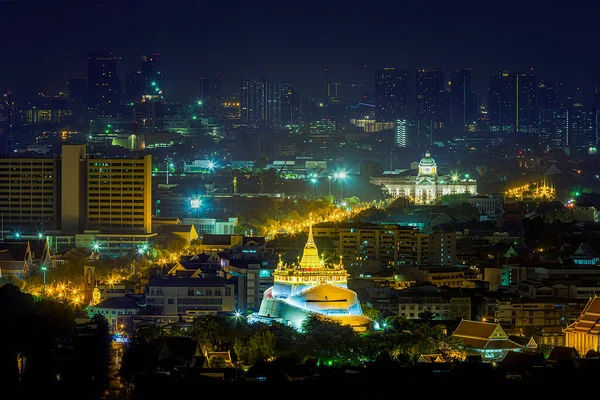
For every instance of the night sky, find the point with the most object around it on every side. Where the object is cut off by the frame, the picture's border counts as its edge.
(44, 43)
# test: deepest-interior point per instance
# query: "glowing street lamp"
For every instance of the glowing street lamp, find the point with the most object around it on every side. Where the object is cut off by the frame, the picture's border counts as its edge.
(341, 176)
(314, 182)
(17, 235)
(96, 246)
(44, 268)
(195, 204)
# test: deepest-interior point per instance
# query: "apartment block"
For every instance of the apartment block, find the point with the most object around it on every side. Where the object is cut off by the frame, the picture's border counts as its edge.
(29, 195)
(360, 243)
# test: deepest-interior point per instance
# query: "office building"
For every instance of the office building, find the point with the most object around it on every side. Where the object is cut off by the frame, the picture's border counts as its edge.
(29, 195)
(462, 100)
(78, 100)
(119, 194)
(211, 97)
(552, 114)
(104, 86)
(391, 94)
(430, 105)
(93, 199)
(512, 102)
(261, 102)
(175, 298)
(526, 116)
(151, 74)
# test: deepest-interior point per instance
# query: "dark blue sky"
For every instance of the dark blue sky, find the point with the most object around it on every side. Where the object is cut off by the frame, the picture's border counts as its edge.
(44, 43)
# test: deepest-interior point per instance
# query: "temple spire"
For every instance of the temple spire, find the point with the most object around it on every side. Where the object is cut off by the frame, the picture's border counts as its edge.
(311, 239)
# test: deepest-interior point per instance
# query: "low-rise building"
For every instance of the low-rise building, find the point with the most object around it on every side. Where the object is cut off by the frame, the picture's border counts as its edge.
(118, 311)
(173, 297)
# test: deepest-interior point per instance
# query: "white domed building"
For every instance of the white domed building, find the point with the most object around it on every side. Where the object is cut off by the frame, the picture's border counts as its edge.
(427, 186)
(311, 287)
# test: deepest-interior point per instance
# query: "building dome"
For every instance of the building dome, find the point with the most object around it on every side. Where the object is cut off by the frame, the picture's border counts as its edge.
(427, 161)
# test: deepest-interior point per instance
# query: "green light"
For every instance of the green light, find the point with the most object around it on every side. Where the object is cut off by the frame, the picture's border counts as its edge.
(153, 83)
(194, 117)
(199, 102)
(107, 131)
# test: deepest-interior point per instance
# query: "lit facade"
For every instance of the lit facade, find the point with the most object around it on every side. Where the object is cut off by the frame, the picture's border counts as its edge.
(583, 334)
(29, 194)
(427, 187)
(120, 194)
(310, 287)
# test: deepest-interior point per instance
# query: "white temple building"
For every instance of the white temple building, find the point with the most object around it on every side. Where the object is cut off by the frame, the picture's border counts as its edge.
(427, 186)
(310, 287)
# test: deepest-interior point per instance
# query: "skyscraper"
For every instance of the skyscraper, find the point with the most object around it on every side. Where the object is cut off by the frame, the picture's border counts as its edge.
(78, 100)
(526, 117)
(512, 102)
(430, 102)
(104, 86)
(152, 77)
(550, 111)
(462, 102)
(211, 97)
(401, 133)
(391, 94)
(261, 101)
(501, 100)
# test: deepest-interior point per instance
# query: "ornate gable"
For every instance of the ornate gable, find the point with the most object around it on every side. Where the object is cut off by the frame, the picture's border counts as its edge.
(498, 333)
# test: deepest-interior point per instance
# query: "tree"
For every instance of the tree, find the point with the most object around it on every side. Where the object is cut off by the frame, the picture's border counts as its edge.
(330, 341)
(426, 315)
(260, 345)
(212, 332)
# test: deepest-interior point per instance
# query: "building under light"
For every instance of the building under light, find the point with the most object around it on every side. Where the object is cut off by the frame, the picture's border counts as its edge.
(427, 186)
(401, 133)
(310, 287)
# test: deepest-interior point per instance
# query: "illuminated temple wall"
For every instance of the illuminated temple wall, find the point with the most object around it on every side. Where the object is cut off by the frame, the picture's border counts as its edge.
(285, 290)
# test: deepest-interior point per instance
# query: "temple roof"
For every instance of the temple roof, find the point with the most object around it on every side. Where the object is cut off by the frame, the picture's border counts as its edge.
(589, 320)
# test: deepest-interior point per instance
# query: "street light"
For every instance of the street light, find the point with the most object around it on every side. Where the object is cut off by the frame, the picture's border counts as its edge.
(341, 176)
(43, 268)
(96, 246)
(195, 204)
(314, 182)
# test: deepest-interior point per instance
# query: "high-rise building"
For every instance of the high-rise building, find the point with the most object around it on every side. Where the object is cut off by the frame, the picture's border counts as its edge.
(597, 115)
(29, 195)
(462, 101)
(401, 133)
(512, 102)
(550, 109)
(133, 87)
(391, 94)
(152, 76)
(581, 126)
(211, 97)
(431, 91)
(289, 105)
(78, 100)
(261, 101)
(104, 86)
(73, 193)
(119, 194)
(526, 117)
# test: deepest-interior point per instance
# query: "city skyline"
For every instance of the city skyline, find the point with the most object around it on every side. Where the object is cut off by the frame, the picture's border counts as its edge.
(196, 41)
